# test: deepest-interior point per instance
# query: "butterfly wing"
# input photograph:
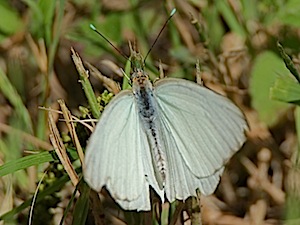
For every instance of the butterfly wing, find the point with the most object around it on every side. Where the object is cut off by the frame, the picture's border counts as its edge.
(118, 155)
(181, 182)
(201, 131)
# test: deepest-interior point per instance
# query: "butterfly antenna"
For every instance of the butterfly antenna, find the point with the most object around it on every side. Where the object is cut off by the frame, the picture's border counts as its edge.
(95, 29)
(165, 24)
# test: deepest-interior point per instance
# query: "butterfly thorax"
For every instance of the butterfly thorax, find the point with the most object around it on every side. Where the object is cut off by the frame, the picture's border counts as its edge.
(146, 104)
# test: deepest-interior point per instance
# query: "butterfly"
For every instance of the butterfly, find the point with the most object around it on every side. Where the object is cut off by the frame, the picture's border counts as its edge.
(174, 136)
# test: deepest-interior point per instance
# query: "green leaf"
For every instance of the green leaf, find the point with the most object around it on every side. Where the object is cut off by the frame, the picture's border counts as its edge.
(25, 162)
(10, 92)
(86, 85)
(82, 206)
(288, 62)
(286, 89)
(289, 13)
(266, 69)
(70, 204)
(10, 21)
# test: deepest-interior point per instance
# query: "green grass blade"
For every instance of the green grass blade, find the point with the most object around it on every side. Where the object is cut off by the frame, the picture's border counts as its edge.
(70, 204)
(25, 162)
(15, 99)
(56, 32)
(82, 206)
(86, 85)
(230, 17)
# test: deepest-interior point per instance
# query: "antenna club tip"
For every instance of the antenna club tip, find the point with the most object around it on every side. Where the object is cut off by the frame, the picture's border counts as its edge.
(173, 12)
(92, 27)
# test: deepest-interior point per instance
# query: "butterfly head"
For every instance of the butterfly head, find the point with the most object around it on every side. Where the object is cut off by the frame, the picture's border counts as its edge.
(140, 78)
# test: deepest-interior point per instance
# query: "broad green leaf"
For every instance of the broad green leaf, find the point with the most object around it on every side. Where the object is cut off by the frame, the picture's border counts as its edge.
(267, 68)
(286, 89)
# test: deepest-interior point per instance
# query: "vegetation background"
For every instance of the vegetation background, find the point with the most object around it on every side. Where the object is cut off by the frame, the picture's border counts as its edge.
(235, 43)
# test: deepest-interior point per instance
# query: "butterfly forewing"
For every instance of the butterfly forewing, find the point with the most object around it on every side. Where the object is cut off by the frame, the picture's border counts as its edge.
(118, 155)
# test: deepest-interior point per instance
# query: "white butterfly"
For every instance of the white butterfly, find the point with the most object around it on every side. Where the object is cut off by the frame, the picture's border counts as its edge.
(174, 136)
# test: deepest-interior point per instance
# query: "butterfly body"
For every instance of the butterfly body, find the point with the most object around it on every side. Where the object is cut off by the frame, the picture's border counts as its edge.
(146, 104)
